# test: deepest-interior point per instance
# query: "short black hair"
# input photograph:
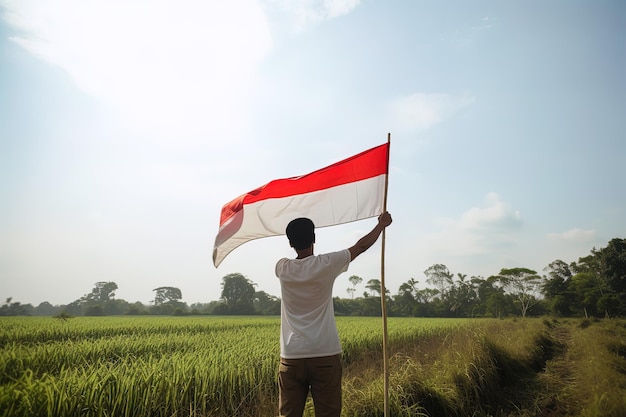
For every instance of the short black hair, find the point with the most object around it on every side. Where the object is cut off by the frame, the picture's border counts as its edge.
(301, 233)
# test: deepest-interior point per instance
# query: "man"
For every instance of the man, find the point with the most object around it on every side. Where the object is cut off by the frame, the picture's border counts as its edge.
(309, 343)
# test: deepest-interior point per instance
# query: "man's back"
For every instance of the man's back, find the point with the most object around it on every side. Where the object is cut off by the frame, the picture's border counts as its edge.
(307, 314)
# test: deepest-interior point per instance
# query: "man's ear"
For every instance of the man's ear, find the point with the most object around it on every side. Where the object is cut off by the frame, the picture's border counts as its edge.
(313, 237)
(290, 244)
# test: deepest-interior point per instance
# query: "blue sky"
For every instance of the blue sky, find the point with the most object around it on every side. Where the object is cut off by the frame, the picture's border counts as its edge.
(126, 125)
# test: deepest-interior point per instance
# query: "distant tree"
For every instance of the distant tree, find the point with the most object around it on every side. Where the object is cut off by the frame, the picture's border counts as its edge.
(351, 291)
(589, 263)
(406, 303)
(370, 306)
(556, 288)
(498, 304)
(462, 297)
(604, 278)
(136, 308)
(612, 260)
(491, 300)
(612, 304)
(354, 280)
(440, 277)
(523, 284)
(202, 308)
(587, 293)
(220, 308)
(116, 307)
(46, 309)
(265, 303)
(102, 292)
(165, 295)
(238, 294)
(410, 286)
(94, 310)
(375, 286)
(100, 301)
(426, 295)
(15, 308)
(167, 302)
(559, 273)
(73, 309)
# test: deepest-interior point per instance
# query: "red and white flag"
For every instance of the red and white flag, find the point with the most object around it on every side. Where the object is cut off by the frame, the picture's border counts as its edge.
(349, 190)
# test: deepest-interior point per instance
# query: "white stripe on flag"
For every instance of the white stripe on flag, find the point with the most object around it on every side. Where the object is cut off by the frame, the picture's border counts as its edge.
(342, 204)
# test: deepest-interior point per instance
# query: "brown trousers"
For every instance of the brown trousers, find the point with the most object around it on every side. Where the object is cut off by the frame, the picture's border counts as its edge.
(321, 375)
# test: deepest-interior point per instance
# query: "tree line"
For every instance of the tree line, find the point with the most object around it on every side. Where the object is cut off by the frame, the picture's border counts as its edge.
(594, 286)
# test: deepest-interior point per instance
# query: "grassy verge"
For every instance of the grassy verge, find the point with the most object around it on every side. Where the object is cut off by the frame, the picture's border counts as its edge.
(598, 352)
(520, 368)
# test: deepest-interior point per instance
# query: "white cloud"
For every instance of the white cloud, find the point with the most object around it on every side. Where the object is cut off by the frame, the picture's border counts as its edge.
(181, 68)
(573, 235)
(477, 230)
(307, 12)
(497, 216)
(335, 8)
(422, 111)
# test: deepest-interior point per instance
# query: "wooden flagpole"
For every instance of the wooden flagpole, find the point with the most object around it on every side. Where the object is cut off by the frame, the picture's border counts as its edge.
(383, 303)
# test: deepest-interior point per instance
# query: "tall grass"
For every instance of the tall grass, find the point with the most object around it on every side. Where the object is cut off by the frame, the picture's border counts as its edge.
(599, 359)
(227, 366)
(454, 371)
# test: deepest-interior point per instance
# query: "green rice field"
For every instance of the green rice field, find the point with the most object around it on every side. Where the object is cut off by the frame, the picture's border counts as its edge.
(227, 366)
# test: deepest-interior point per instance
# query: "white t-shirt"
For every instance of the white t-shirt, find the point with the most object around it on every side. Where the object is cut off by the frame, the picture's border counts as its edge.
(307, 316)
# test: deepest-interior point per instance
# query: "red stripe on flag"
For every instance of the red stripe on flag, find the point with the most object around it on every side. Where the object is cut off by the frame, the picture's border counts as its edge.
(367, 164)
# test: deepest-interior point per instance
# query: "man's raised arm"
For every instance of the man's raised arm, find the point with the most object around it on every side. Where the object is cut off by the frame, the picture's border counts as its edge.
(369, 239)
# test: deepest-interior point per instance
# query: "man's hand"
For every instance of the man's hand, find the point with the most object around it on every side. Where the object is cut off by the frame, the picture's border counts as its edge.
(385, 219)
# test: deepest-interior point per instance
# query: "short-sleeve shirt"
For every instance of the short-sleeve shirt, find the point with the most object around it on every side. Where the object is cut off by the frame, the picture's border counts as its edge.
(307, 315)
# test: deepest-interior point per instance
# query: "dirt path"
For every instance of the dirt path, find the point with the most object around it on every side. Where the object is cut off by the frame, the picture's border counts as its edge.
(557, 379)
(547, 393)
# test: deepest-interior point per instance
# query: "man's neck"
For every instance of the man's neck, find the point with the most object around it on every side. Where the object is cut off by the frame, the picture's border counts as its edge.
(304, 253)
